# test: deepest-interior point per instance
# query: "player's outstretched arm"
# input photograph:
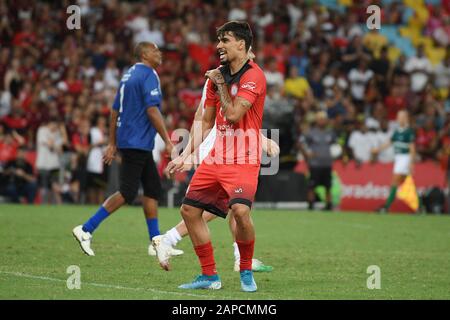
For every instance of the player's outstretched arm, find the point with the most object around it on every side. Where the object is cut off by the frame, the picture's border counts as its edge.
(232, 110)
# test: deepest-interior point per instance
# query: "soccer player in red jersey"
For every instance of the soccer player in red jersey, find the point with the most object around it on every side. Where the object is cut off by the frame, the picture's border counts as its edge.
(228, 177)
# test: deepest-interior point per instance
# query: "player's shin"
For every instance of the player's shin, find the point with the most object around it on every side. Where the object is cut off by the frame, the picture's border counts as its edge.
(391, 197)
(245, 235)
(205, 254)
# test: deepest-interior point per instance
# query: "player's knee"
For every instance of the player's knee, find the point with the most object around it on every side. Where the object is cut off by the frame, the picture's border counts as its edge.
(240, 211)
(129, 195)
(187, 212)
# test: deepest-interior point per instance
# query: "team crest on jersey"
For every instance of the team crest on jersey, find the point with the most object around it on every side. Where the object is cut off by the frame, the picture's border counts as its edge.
(249, 85)
(234, 89)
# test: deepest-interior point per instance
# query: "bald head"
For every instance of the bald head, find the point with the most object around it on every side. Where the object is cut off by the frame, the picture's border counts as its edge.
(148, 53)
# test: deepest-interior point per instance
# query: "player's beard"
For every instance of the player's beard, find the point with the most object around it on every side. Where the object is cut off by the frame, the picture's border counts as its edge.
(224, 62)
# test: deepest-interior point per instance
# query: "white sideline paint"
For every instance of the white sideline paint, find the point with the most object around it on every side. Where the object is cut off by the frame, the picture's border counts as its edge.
(101, 285)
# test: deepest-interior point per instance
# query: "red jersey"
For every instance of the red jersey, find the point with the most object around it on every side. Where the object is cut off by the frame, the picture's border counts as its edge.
(239, 143)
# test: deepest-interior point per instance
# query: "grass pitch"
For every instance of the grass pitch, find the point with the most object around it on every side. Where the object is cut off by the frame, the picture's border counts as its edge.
(317, 255)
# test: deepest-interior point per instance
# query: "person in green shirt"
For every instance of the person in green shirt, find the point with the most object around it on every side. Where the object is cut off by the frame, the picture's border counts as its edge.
(405, 151)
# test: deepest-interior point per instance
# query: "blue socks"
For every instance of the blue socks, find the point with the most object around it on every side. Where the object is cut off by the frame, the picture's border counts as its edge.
(95, 220)
(153, 228)
(102, 214)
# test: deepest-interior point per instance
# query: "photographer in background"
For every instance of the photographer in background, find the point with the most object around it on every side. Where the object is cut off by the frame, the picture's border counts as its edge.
(315, 146)
(20, 180)
(51, 137)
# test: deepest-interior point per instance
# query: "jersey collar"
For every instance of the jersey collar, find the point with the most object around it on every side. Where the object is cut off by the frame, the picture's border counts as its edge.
(229, 78)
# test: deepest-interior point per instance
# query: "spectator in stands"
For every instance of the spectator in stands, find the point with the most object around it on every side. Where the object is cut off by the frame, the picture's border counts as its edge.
(51, 137)
(315, 147)
(20, 179)
(419, 68)
(382, 135)
(96, 173)
(442, 77)
(81, 147)
(382, 69)
(273, 76)
(427, 140)
(374, 41)
(361, 142)
(359, 79)
(297, 86)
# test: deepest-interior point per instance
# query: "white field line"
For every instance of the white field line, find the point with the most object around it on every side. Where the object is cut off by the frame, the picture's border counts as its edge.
(101, 285)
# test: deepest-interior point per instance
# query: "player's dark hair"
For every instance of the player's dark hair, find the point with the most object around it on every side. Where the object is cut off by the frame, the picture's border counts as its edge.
(241, 31)
(140, 48)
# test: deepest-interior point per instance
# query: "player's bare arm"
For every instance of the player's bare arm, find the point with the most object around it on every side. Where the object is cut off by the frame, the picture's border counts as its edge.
(269, 146)
(195, 139)
(111, 149)
(232, 110)
(157, 120)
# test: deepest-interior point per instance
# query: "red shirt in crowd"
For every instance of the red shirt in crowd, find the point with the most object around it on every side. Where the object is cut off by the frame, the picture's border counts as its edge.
(8, 150)
(393, 105)
(424, 137)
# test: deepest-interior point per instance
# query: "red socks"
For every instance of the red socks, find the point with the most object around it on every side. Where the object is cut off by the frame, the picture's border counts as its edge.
(205, 254)
(246, 249)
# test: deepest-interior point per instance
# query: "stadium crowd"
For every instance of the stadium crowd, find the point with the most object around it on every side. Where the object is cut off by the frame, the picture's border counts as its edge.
(57, 85)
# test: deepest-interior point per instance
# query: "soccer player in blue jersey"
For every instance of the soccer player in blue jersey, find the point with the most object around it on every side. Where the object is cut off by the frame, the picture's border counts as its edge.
(135, 120)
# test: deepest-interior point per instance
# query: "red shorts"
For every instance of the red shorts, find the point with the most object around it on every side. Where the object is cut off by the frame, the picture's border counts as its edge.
(215, 187)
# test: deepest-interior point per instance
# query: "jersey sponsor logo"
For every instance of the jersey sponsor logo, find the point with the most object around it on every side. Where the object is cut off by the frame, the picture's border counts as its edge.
(234, 89)
(238, 190)
(154, 92)
(249, 85)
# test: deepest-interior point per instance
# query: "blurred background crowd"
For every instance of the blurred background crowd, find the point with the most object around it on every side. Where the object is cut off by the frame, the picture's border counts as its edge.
(57, 85)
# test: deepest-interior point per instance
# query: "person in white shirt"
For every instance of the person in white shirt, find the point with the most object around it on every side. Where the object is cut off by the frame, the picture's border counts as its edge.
(359, 79)
(442, 77)
(237, 11)
(382, 136)
(50, 140)
(361, 142)
(419, 67)
(96, 175)
(273, 76)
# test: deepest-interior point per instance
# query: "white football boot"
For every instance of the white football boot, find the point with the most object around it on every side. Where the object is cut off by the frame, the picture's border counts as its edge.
(163, 250)
(84, 239)
(173, 252)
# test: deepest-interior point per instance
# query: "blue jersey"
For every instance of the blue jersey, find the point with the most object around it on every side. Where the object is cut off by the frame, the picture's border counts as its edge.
(139, 89)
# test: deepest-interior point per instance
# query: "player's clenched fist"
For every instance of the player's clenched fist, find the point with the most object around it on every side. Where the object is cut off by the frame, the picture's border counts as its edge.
(110, 154)
(273, 149)
(174, 166)
(215, 76)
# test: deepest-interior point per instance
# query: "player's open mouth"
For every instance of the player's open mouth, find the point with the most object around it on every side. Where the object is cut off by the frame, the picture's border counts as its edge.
(222, 54)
